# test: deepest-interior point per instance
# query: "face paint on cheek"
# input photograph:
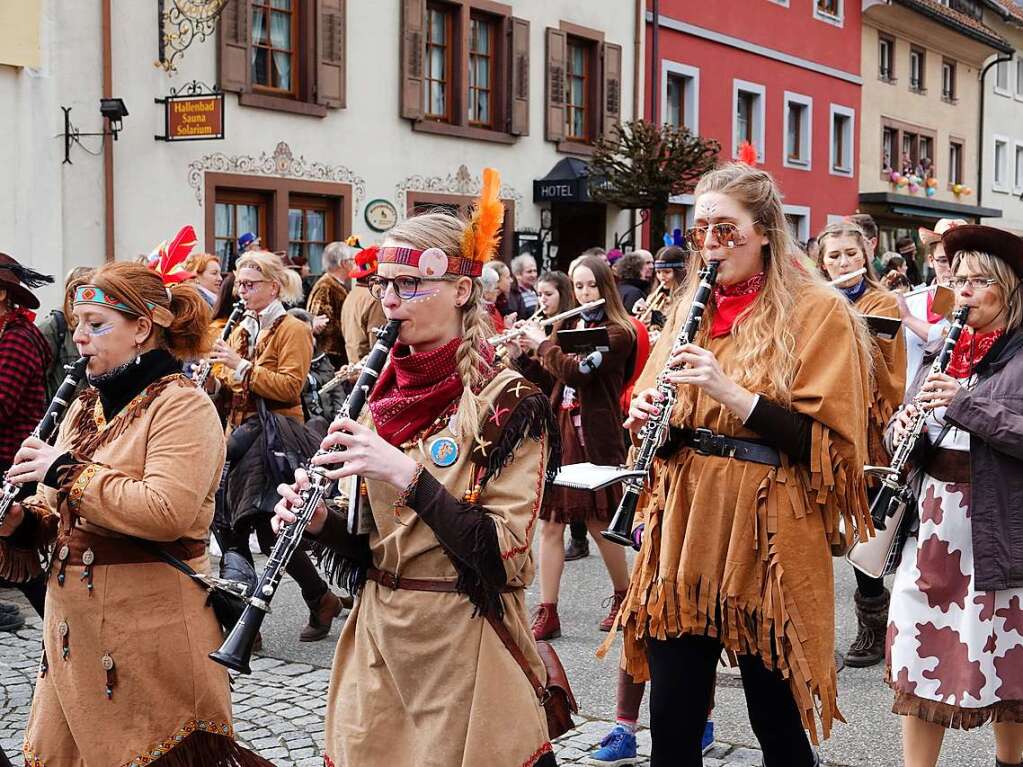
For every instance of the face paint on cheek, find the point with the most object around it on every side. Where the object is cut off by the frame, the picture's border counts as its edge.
(102, 330)
(423, 295)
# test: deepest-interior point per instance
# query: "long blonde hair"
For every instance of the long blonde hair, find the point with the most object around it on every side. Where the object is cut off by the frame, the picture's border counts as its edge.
(848, 229)
(763, 333)
(444, 231)
(270, 266)
(1005, 279)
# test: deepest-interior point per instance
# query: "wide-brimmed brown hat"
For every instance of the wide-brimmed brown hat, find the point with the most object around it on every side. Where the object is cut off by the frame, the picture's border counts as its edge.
(16, 279)
(986, 239)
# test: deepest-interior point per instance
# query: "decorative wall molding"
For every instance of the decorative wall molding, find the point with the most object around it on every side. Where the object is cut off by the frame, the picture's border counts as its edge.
(460, 182)
(281, 162)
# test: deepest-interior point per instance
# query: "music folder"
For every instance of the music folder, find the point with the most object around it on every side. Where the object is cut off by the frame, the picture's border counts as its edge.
(886, 328)
(590, 476)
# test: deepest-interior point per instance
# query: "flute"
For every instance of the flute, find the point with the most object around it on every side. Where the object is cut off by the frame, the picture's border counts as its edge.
(47, 427)
(516, 332)
(846, 277)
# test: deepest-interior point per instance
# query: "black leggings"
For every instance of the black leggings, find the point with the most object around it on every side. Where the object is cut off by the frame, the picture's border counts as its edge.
(34, 591)
(682, 673)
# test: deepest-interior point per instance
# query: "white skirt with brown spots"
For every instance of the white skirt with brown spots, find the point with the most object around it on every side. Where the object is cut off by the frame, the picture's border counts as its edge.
(954, 654)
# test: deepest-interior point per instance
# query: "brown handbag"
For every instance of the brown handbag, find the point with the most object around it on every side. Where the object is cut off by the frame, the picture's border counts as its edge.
(556, 696)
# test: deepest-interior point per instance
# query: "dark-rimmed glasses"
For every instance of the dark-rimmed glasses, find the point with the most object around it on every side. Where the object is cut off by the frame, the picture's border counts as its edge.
(406, 287)
(248, 284)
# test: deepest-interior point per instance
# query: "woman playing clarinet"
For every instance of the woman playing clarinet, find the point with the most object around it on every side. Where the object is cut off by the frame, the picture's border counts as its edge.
(123, 677)
(765, 458)
(454, 453)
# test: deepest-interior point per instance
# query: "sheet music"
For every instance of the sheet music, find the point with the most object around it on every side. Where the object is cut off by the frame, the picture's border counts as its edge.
(590, 476)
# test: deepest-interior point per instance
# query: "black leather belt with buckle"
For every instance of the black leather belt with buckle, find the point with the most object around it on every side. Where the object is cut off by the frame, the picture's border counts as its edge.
(706, 442)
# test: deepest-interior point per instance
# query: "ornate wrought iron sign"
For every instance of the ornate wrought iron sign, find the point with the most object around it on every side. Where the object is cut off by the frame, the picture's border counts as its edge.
(182, 22)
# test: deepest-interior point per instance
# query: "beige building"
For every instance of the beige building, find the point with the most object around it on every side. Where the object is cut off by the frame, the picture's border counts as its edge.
(920, 112)
(339, 117)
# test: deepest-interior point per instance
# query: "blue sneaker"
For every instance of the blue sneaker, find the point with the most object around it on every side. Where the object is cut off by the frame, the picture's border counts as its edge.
(617, 749)
(707, 743)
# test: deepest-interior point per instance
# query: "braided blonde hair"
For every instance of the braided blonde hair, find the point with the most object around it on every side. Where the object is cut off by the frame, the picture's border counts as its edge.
(443, 230)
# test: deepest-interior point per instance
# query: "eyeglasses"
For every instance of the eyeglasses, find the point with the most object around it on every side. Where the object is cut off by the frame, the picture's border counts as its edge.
(725, 233)
(406, 287)
(248, 284)
(975, 283)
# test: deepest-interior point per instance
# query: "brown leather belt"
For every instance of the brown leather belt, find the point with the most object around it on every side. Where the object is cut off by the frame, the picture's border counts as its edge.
(392, 581)
(84, 547)
(949, 465)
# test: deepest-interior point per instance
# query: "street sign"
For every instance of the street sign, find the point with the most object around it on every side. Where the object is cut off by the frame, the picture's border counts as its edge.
(193, 115)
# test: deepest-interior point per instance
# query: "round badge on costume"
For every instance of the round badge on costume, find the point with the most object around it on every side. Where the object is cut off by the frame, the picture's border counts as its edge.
(433, 262)
(443, 451)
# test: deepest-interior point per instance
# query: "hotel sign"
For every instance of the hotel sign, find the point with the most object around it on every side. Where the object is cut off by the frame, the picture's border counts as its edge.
(196, 117)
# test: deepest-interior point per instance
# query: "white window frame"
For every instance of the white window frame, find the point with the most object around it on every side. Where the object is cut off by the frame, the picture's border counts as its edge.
(890, 42)
(837, 21)
(1018, 93)
(759, 115)
(962, 159)
(1007, 90)
(692, 105)
(916, 51)
(803, 211)
(689, 202)
(1017, 176)
(806, 130)
(1003, 185)
(783, 3)
(838, 109)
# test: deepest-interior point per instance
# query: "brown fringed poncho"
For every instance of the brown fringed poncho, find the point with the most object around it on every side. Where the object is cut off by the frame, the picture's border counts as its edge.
(888, 384)
(742, 551)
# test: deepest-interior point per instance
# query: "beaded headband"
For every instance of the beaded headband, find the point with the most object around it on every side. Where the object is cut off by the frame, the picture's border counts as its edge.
(93, 294)
(432, 262)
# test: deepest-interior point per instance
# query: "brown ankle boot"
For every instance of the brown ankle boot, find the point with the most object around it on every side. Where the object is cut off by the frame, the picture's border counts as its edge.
(546, 624)
(615, 603)
(867, 648)
(321, 615)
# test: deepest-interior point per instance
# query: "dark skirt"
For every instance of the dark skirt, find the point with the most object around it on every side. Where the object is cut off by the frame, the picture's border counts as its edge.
(563, 504)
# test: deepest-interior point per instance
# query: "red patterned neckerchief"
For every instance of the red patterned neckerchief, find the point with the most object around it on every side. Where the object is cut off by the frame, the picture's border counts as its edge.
(970, 350)
(414, 389)
(14, 314)
(732, 300)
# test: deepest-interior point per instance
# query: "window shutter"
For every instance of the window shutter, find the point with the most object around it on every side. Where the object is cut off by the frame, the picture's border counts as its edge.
(331, 40)
(413, 48)
(518, 88)
(612, 94)
(234, 46)
(554, 97)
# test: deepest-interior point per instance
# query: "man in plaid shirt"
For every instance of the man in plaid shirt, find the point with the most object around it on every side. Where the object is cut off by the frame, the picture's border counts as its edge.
(24, 356)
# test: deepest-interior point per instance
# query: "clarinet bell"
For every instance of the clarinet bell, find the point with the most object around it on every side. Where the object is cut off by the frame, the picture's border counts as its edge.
(620, 530)
(236, 651)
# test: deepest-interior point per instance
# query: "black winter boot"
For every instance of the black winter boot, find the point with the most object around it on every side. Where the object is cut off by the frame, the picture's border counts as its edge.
(872, 617)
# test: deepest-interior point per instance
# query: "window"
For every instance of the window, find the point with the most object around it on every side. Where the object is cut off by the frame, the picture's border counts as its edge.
(583, 87)
(577, 81)
(481, 66)
(948, 81)
(681, 95)
(675, 218)
(1019, 78)
(798, 219)
(748, 116)
(1002, 78)
(917, 67)
(436, 78)
(908, 149)
(236, 213)
(842, 126)
(828, 10)
(955, 162)
(1017, 184)
(287, 55)
(886, 58)
(310, 228)
(1001, 171)
(798, 131)
(461, 205)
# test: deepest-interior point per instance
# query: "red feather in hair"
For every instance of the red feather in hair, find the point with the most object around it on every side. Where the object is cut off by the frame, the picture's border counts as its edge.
(482, 235)
(748, 154)
(171, 264)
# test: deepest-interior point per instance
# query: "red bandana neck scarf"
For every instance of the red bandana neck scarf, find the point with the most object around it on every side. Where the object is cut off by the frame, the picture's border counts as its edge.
(932, 317)
(732, 300)
(970, 350)
(415, 390)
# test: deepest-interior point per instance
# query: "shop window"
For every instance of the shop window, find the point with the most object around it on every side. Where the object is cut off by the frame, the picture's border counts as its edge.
(748, 116)
(949, 91)
(236, 213)
(583, 82)
(917, 69)
(955, 162)
(886, 58)
(798, 131)
(310, 227)
(842, 132)
(465, 69)
(287, 55)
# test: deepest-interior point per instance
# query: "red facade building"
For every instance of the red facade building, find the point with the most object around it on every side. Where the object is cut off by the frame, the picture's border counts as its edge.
(782, 74)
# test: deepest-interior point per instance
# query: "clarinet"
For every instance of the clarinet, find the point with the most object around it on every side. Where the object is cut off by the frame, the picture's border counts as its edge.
(654, 431)
(47, 427)
(894, 491)
(236, 650)
(202, 370)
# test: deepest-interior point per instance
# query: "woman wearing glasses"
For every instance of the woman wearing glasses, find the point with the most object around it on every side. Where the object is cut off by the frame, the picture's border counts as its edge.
(955, 634)
(765, 458)
(453, 452)
(842, 251)
(264, 367)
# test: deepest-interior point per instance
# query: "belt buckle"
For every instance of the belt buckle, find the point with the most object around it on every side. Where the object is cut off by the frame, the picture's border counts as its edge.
(389, 579)
(704, 441)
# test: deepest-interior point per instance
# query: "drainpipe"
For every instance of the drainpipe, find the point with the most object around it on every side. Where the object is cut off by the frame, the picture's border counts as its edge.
(980, 136)
(655, 63)
(108, 143)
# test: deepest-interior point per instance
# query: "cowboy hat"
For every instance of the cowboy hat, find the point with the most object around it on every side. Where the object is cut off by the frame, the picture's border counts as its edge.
(986, 239)
(14, 277)
(928, 236)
